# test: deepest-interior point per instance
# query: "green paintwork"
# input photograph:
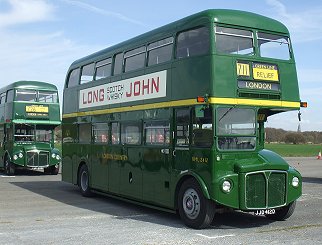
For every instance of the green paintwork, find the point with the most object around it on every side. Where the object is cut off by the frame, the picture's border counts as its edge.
(14, 113)
(146, 174)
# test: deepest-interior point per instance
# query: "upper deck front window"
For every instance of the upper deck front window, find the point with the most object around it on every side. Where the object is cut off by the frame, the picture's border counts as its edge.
(273, 46)
(36, 96)
(234, 41)
(47, 97)
(26, 95)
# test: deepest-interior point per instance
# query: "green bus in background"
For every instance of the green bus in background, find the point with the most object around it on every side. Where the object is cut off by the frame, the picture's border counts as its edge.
(174, 118)
(29, 113)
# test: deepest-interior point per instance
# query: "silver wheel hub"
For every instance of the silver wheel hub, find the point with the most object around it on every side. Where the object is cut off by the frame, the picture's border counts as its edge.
(191, 203)
(84, 181)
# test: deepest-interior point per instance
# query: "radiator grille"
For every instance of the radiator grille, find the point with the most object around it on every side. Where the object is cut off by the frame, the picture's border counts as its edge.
(265, 189)
(37, 158)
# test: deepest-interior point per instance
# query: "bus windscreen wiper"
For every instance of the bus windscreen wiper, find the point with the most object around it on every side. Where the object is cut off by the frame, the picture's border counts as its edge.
(227, 112)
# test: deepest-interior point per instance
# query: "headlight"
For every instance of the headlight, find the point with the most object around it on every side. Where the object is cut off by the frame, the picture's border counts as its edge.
(15, 157)
(295, 182)
(57, 157)
(53, 155)
(226, 186)
(20, 155)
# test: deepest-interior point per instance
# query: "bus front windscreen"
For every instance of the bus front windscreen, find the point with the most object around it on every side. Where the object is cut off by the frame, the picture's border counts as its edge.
(236, 128)
(43, 133)
(30, 133)
(24, 133)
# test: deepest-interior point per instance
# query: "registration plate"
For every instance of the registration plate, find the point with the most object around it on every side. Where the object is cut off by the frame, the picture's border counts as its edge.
(37, 108)
(267, 72)
(264, 211)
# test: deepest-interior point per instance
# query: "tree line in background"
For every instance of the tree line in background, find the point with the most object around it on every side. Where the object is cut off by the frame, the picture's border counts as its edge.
(274, 135)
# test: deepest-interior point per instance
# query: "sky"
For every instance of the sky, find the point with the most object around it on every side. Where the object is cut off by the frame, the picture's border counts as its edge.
(39, 39)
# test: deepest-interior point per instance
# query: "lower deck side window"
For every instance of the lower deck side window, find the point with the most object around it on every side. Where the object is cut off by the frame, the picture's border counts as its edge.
(84, 133)
(157, 133)
(100, 132)
(131, 133)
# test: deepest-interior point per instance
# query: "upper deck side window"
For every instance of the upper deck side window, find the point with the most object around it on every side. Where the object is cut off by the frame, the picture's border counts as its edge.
(87, 73)
(134, 59)
(103, 68)
(273, 46)
(118, 64)
(73, 79)
(193, 42)
(2, 98)
(10, 95)
(160, 51)
(234, 41)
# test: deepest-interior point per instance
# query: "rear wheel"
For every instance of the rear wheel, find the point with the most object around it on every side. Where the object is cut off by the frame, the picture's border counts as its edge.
(83, 181)
(283, 213)
(9, 167)
(195, 210)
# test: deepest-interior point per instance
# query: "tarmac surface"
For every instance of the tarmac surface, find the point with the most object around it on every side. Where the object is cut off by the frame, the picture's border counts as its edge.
(41, 209)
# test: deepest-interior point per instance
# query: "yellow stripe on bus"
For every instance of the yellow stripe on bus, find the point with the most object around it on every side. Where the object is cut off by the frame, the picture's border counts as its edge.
(234, 101)
(212, 100)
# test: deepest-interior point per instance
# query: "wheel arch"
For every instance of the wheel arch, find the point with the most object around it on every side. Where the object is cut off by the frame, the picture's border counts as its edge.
(185, 177)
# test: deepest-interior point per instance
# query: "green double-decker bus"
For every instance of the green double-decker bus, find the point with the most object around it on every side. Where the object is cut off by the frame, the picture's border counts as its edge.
(174, 118)
(29, 113)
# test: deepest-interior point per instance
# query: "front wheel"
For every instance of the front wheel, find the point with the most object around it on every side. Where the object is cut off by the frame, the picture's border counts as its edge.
(54, 170)
(9, 167)
(83, 181)
(195, 210)
(283, 213)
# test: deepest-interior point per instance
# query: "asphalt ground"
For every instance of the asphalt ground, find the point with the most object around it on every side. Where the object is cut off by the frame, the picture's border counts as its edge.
(41, 209)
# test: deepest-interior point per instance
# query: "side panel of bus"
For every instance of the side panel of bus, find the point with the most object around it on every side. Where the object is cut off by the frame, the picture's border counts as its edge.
(2, 146)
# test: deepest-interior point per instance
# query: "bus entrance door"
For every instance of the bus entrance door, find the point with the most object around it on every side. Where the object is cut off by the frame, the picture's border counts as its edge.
(181, 153)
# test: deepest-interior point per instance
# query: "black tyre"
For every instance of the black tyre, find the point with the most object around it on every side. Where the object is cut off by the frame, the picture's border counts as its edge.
(195, 209)
(46, 170)
(83, 181)
(9, 167)
(54, 170)
(283, 213)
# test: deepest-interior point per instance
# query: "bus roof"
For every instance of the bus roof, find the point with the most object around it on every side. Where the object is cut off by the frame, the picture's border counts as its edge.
(29, 85)
(222, 16)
